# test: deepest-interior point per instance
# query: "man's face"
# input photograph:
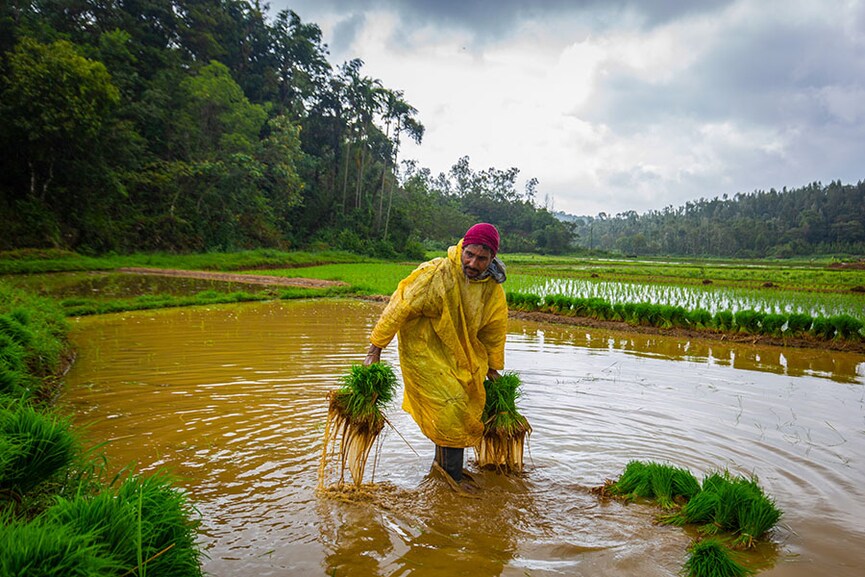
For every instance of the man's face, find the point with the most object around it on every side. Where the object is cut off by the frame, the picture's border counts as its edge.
(475, 260)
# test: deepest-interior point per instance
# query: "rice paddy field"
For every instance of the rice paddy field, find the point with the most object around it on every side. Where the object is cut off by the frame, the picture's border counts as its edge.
(233, 399)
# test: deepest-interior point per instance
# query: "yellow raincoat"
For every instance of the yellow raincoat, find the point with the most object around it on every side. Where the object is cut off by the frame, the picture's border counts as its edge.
(451, 331)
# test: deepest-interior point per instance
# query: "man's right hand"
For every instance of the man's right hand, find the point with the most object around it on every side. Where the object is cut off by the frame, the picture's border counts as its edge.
(373, 355)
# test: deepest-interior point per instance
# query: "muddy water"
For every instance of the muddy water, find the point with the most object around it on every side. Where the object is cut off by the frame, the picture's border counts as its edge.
(231, 398)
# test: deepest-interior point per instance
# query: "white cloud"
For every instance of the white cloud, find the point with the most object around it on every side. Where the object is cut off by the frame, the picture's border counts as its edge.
(619, 106)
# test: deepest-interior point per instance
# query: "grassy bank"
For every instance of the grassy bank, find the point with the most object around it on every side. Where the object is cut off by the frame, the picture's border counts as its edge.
(53, 260)
(58, 514)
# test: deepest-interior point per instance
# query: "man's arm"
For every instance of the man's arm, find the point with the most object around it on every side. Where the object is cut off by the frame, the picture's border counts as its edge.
(373, 355)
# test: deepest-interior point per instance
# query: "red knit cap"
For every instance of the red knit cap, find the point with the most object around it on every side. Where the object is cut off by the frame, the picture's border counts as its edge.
(485, 234)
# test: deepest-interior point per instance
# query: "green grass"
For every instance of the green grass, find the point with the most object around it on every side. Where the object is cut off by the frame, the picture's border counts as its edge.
(86, 307)
(729, 504)
(41, 261)
(38, 548)
(369, 278)
(662, 483)
(40, 461)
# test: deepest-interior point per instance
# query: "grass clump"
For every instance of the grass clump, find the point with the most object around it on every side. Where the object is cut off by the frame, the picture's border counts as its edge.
(505, 429)
(355, 418)
(710, 558)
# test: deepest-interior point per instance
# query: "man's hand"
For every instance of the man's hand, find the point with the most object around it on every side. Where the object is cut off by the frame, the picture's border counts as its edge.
(493, 374)
(373, 355)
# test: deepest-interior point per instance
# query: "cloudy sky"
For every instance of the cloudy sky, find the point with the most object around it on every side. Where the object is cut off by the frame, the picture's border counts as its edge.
(618, 105)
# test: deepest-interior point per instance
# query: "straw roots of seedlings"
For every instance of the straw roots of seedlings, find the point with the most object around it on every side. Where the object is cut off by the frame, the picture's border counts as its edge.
(355, 418)
(505, 430)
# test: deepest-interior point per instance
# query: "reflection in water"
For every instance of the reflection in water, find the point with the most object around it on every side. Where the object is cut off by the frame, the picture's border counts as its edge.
(232, 399)
(844, 368)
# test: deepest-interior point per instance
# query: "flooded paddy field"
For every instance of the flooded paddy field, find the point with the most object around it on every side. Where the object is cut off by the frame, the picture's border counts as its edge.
(231, 399)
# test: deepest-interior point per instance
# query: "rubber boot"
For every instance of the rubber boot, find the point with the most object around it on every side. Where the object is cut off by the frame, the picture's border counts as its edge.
(451, 460)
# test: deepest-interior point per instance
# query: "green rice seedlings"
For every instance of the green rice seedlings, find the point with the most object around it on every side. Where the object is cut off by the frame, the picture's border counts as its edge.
(49, 550)
(700, 509)
(505, 429)
(355, 418)
(710, 558)
(146, 526)
(665, 484)
(37, 446)
(755, 516)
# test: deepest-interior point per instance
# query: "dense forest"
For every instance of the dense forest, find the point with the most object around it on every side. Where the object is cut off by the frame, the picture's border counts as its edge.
(812, 220)
(199, 125)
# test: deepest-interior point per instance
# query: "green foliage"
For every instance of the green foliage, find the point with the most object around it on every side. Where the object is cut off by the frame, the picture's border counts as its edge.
(710, 558)
(366, 391)
(811, 220)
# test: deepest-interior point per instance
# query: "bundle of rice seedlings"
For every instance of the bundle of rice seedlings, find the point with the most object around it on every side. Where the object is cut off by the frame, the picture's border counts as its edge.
(665, 484)
(505, 429)
(756, 515)
(710, 558)
(355, 418)
(729, 504)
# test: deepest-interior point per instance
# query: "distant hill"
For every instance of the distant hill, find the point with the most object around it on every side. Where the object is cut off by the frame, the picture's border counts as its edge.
(813, 220)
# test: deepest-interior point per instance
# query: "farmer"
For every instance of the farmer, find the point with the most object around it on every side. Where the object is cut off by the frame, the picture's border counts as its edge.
(451, 316)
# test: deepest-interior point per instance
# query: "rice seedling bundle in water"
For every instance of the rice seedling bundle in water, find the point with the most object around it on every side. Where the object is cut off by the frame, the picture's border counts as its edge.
(505, 429)
(710, 558)
(729, 504)
(355, 418)
(665, 484)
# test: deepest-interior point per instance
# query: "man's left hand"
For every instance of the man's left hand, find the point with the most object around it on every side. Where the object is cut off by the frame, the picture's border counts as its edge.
(493, 375)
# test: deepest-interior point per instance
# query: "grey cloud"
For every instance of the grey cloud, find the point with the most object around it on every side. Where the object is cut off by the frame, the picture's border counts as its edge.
(487, 19)
(768, 76)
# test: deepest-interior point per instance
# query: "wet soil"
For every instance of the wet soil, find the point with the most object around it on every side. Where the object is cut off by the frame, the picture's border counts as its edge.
(236, 277)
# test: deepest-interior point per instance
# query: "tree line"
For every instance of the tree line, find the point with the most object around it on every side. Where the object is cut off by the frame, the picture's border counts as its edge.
(815, 219)
(199, 125)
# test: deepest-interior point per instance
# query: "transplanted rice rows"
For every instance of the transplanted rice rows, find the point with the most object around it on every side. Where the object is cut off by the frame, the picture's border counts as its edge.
(708, 298)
